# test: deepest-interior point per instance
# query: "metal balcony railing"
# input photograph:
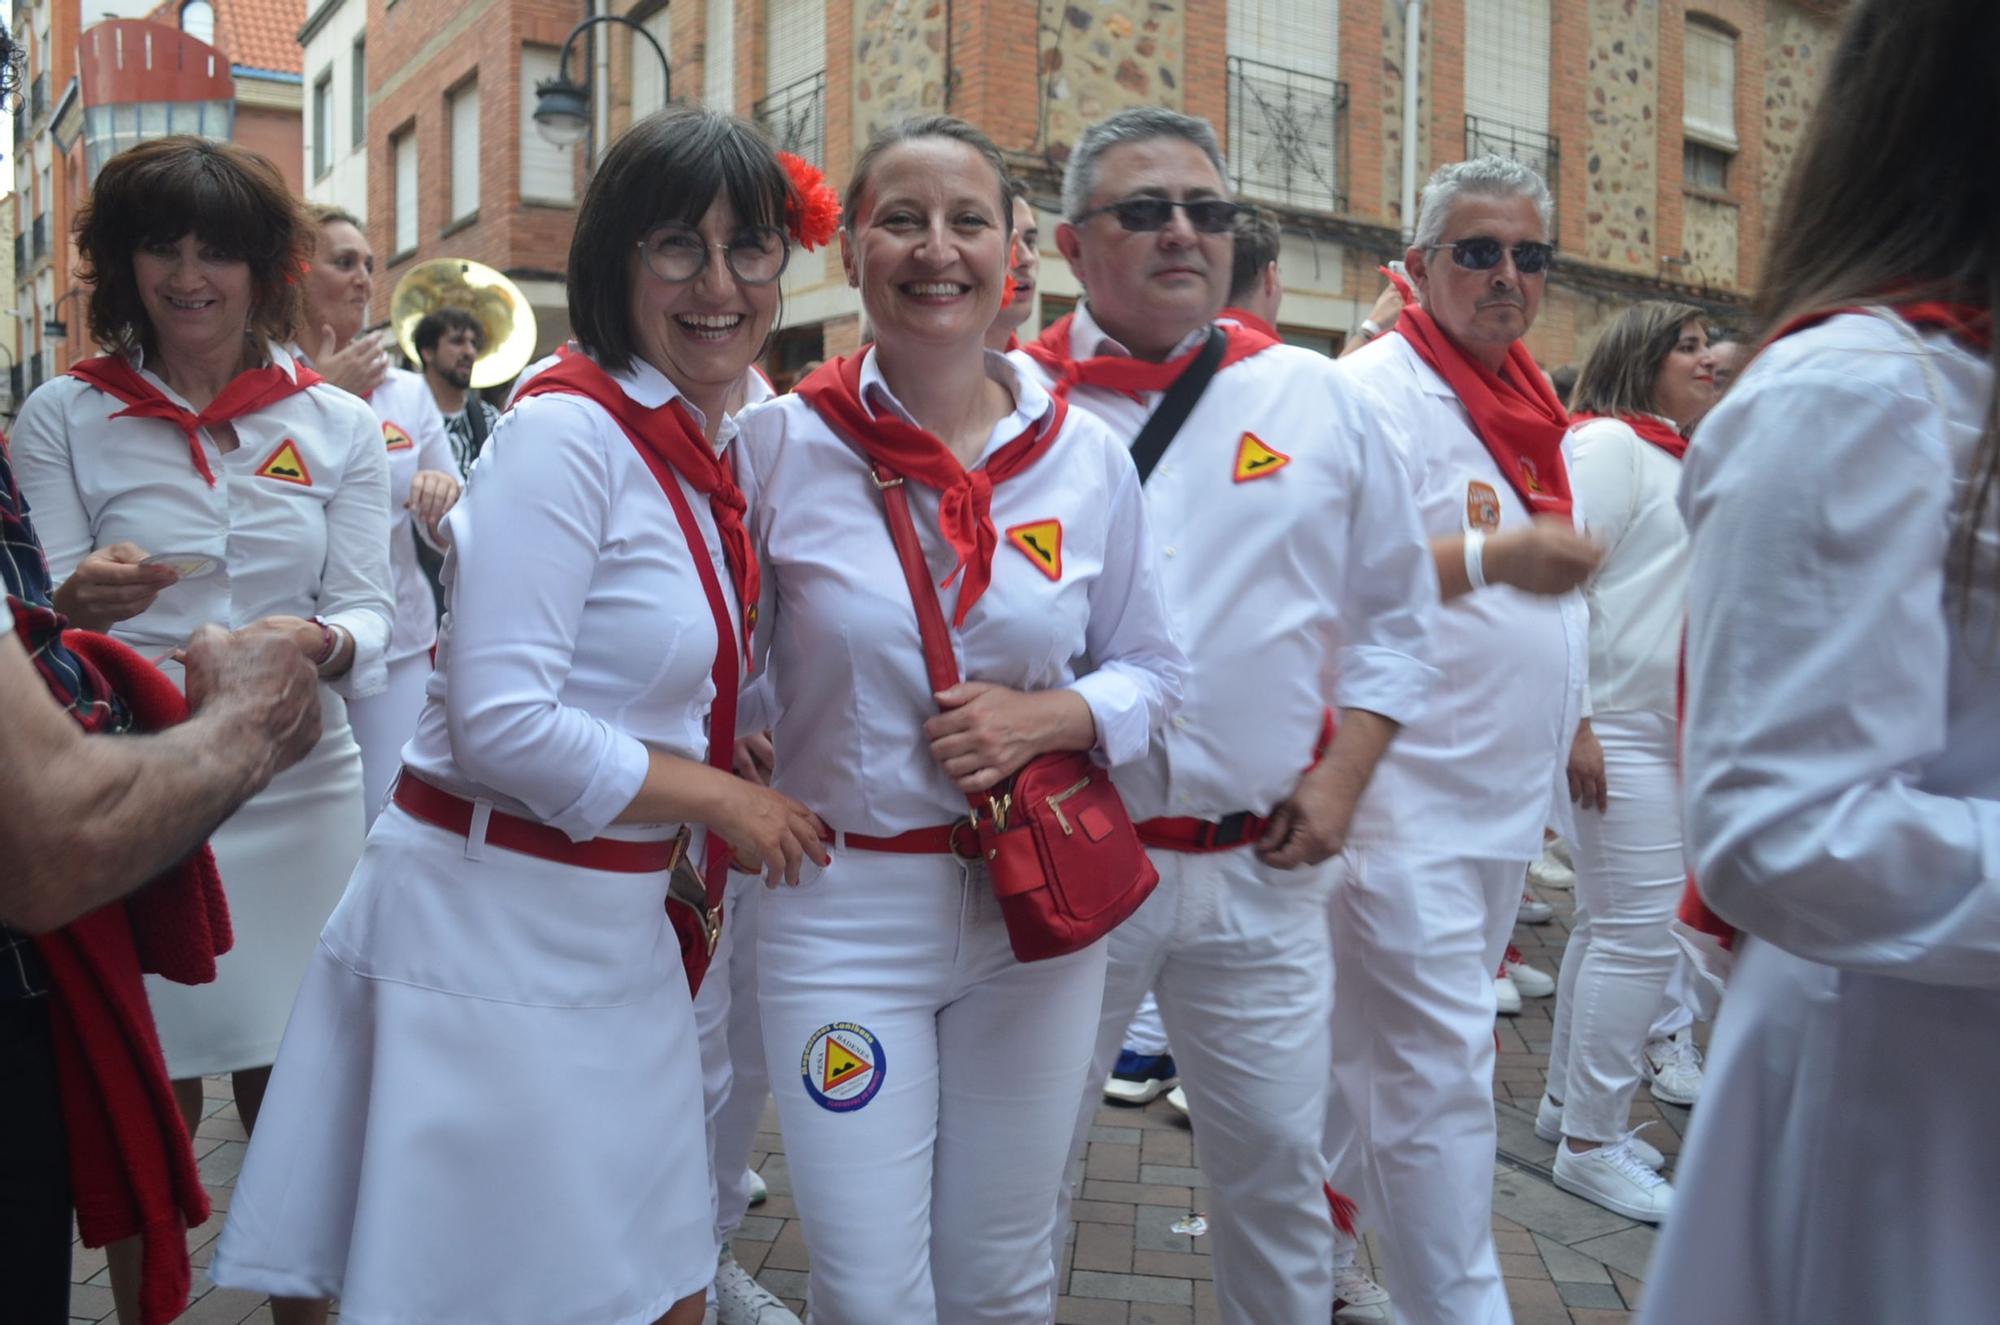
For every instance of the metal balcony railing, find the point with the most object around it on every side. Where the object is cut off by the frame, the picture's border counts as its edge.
(1540, 152)
(795, 117)
(1287, 135)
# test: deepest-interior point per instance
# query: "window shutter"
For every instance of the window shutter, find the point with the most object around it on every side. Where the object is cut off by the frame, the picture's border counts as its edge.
(548, 172)
(1708, 112)
(406, 191)
(465, 151)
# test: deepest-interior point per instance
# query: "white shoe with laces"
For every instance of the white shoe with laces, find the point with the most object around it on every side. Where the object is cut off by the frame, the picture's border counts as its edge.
(1531, 981)
(741, 1300)
(1506, 997)
(1614, 1177)
(1674, 1068)
(1359, 1300)
(1549, 1127)
(1553, 869)
(1534, 911)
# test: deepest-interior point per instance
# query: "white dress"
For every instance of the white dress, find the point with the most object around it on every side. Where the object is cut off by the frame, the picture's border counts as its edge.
(281, 546)
(1843, 781)
(488, 1108)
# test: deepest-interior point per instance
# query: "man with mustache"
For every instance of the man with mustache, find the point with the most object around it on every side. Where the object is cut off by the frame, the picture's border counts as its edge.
(449, 342)
(1298, 582)
(1431, 878)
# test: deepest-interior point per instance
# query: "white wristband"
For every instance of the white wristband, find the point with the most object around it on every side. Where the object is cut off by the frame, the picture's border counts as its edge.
(1369, 331)
(1475, 558)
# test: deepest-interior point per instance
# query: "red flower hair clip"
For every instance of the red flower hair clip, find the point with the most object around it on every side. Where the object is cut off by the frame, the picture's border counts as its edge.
(812, 212)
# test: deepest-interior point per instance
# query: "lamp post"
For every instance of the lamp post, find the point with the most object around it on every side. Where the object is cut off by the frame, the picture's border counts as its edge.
(562, 105)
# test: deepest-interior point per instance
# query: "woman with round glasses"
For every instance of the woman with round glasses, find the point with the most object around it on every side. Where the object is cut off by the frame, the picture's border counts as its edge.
(491, 1084)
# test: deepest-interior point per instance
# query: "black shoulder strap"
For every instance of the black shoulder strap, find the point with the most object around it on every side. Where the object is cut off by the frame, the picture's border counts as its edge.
(475, 418)
(1178, 402)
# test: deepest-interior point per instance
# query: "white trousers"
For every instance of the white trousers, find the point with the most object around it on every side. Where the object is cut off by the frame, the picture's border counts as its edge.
(926, 1082)
(1147, 1035)
(1416, 938)
(1630, 874)
(383, 724)
(735, 1080)
(1680, 1003)
(1237, 956)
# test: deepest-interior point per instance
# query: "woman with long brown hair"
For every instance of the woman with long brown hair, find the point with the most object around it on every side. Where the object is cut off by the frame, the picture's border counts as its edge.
(1843, 713)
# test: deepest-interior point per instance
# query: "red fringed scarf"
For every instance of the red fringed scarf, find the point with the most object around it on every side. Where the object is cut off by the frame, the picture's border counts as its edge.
(1121, 372)
(965, 497)
(247, 393)
(669, 432)
(1649, 426)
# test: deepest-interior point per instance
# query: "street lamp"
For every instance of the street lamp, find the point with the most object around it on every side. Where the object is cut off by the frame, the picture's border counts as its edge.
(562, 105)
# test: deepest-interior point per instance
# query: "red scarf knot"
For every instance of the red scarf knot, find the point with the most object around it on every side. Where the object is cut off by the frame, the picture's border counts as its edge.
(1650, 427)
(247, 392)
(1122, 372)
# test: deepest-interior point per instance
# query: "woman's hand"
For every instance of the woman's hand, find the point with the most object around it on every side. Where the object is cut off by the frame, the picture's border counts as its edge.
(769, 831)
(432, 495)
(756, 758)
(987, 731)
(110, 586)
(358, 369)
(1586, 770)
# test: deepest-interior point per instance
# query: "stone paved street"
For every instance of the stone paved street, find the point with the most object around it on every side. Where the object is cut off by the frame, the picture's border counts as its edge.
(1567, 1262)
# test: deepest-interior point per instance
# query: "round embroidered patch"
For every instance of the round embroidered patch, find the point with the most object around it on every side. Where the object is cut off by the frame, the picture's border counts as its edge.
(842, 1066)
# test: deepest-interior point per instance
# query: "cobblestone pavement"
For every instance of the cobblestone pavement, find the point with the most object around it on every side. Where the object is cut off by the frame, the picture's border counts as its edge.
(1567, 1261)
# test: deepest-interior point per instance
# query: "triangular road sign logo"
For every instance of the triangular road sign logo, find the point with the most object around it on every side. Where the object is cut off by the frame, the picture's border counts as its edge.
(842, 1065)
(395, 438)
(1041, 542)
(1256, 460)
(286, 465)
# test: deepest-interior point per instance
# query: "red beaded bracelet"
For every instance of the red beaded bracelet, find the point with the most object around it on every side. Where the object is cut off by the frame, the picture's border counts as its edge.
(329, 643)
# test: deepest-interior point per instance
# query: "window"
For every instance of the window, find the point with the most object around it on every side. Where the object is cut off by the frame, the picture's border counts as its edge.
(1507, 63)
(1708, 107)
(718, 64)
(649, 80)
(794, 42)
(357, 108)
(548, 172)
(1704, 167)
(1287, 108)
(464, 115)
(404, 147)
(322, 124)
(198, 20)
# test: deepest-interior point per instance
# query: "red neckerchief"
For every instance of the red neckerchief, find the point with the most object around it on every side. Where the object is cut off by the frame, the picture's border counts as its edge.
(1649, 426)
(669, 433)
(1245, 318)
(1968, 322)
(1516, 416)
(1122, 372)
(965, 497)
(246, 393)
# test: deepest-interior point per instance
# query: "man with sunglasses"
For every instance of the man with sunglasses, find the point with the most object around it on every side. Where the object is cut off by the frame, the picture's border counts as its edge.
(1432, 875)
(1298, 582)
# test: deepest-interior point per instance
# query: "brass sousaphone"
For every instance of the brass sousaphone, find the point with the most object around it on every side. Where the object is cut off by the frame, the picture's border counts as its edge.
(507, 324)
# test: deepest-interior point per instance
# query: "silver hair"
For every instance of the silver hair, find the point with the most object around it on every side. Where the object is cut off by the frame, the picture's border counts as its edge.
(1132, 126)
(1487, 175)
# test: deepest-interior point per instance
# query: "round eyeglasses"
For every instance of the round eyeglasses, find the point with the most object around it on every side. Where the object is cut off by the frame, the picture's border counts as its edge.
(678, 253)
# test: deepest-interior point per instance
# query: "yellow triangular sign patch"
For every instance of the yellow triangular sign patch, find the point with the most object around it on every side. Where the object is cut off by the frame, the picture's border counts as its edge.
(840, 1065)
(286, 465)
(395, 438)
(1256, 460)
(1041, 541)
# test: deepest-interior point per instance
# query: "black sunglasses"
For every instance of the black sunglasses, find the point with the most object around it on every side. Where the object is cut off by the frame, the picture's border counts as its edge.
(1482, 253)
(1211, 216)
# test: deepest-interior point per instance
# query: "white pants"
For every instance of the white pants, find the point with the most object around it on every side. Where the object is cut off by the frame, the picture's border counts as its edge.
(383, 724)
(1237, 956)
(926, 1081)
(1416, 937)
(1147, 1035)
(1630, 874)
(735, 1080)
(1680, 1003)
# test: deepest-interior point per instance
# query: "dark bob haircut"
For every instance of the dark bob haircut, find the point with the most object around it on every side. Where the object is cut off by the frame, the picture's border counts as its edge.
(669, 166)
(225, 195)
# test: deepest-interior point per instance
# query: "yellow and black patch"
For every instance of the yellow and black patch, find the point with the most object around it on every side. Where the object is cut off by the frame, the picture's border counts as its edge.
(1041, 542)
(394, 438)
(286, 465)
(1254, 459)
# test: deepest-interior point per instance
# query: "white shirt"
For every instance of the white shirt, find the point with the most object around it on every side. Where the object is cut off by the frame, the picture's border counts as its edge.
(1472, 776)
(1842, 748)
(1637, 598)
(284, 547)
(578, 635)
(1308, 586)
(847, 665)
(413, 437)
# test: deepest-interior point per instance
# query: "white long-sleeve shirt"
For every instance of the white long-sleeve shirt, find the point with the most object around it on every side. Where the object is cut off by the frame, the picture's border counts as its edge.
(1473, 774)
(413, 437)
(1637, 597)
(283, 547)
(848, 682)
(578, 633)
(1842, 747)
(1307, 585)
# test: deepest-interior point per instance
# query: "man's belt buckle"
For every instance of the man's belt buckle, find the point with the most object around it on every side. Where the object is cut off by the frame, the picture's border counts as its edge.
(1229, 830)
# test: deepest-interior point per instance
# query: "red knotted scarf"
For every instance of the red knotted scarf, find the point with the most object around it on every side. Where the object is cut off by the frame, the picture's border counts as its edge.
(246, 393)
(1651, 427)
(1122, 372)
(1243, 317)
(1515, 414)
(669, 432)
(965, 497)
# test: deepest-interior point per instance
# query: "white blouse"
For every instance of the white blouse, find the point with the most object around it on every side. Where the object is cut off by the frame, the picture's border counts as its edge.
(413, 438)
(847, 666)
(297, 522)
(1637, 597)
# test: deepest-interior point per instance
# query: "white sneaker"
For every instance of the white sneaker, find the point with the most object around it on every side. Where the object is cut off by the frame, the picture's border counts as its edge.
(1674, 1068)
(1534, 911)
(1554, 869)
(741, 1300)
(1177, 1098)
(1614, 1177)
(1549, 1127)
(1531, 981)
(1506, 995)
(759, 1192)
(1359, 1300)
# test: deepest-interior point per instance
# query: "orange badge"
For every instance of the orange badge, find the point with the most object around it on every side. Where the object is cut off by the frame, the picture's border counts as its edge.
(1041, 540)
(286, 465)
(1256, 460)
(1482, 506)
(395, 438)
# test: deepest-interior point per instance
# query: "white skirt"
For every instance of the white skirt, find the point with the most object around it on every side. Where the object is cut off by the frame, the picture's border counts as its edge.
(488, 1107)
(284, 858)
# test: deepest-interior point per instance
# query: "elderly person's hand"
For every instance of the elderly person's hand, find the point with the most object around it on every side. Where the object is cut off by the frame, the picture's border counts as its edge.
(111, 585)
(261, 672)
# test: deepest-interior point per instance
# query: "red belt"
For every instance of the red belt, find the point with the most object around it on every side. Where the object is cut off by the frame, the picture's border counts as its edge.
(960, 839)
(438, 807)
(1197, 835)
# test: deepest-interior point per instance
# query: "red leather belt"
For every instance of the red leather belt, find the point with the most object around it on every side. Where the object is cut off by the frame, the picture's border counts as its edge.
(1198, 835)
(440, 808)
(960, 839)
